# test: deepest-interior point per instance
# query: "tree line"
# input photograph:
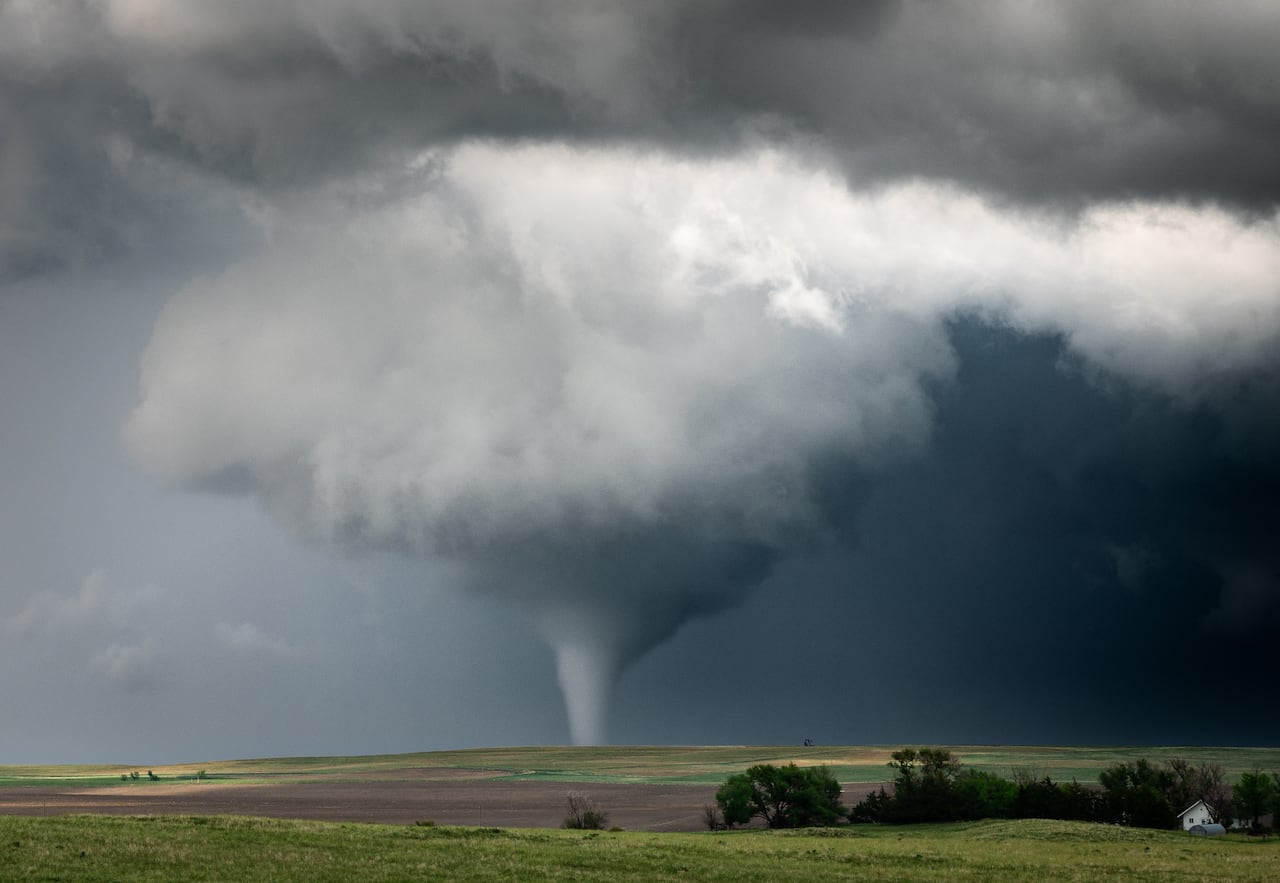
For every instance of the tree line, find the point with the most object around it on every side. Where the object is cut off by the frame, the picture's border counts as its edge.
(931, 785)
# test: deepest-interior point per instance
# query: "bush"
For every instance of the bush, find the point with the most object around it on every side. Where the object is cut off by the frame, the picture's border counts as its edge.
(584, 814)
(871, 808)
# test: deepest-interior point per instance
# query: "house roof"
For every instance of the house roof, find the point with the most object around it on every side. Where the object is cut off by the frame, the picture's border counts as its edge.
(1193, 806)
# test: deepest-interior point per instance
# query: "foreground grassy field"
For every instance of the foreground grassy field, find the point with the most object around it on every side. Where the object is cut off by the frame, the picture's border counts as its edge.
(653, 764)
(228, 848)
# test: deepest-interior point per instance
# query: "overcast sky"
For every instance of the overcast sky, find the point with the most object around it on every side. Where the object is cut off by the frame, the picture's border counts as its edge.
(416, 374)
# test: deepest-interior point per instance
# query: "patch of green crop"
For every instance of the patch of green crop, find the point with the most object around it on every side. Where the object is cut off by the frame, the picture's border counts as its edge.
(1083, 763)
(60, 781)
(702, 765)
(198, 848)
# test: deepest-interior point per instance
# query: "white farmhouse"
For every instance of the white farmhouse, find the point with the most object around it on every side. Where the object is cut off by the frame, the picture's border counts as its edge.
(1198, 813)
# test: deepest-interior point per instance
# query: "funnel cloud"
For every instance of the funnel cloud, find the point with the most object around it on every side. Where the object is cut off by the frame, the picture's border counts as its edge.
(617, 418)
(622, 416)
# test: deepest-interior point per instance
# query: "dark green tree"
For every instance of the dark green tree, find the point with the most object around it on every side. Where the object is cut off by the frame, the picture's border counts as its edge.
(1134, 794)
(1254, 795)
(1080, 803)
(981, 795)
(1037, 799)
(923, 786)
(784, 797)
(735, 797)
(1275, 800)
(1046, 799)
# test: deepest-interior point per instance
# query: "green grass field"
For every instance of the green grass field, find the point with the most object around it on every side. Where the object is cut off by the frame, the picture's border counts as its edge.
(227, 848)
(655, 764)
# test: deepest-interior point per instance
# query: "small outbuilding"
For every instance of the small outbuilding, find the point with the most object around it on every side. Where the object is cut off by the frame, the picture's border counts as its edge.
(1213, 829)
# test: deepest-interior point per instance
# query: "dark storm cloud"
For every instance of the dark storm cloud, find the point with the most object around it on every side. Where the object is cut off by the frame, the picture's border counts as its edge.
(1039, 101)
(1070, 563)
(59, 194)
(85, 174)
(1129, 496)
(262, 95)
(1044, 101)
(1086, 547)
(810, 18)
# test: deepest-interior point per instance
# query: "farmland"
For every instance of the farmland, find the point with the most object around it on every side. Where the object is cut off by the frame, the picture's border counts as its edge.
(693, 765)
(492, 814)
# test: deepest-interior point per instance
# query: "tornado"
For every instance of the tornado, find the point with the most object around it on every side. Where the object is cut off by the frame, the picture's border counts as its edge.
(623, 417)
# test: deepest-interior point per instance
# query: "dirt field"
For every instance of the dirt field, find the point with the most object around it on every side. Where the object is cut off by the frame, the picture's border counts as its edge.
(394, 799)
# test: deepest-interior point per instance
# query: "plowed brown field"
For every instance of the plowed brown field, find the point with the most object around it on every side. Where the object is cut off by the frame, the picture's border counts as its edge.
(394, 797)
